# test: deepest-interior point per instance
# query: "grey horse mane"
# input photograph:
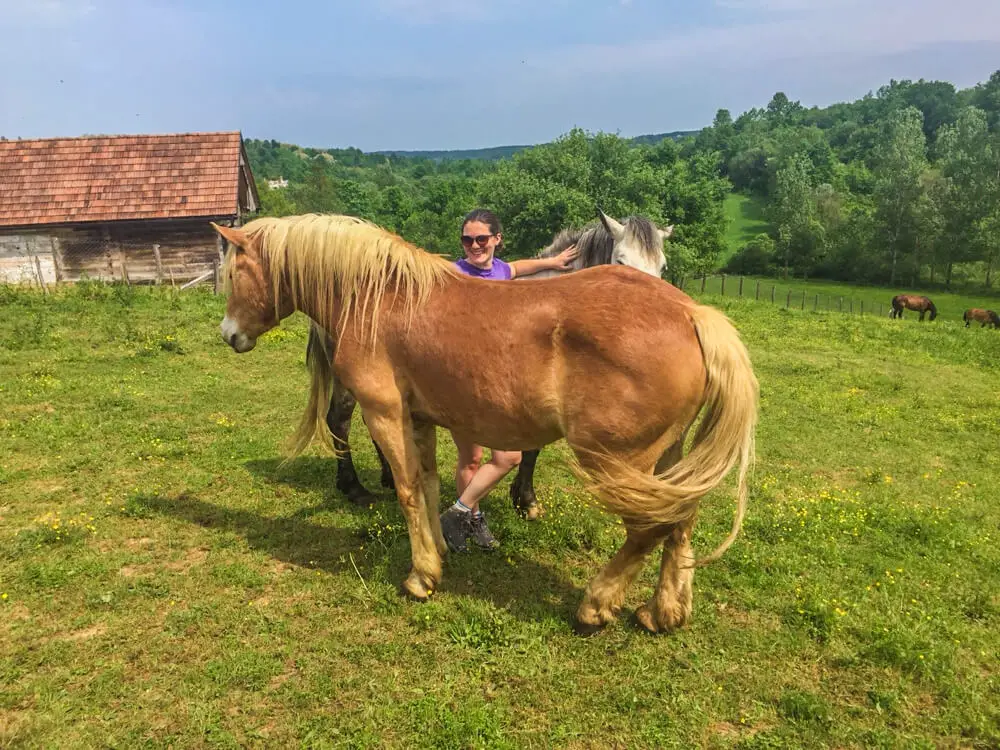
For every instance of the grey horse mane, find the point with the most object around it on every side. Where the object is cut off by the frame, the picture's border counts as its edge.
(595, 243)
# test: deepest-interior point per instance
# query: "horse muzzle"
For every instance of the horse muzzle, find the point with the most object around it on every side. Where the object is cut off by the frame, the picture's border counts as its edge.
(233, 336)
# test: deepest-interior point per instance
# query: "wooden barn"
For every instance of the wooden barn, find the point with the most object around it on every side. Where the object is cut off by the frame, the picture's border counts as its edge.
(120, 207)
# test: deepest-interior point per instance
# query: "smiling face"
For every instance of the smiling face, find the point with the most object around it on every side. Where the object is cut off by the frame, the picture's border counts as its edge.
(479, 243)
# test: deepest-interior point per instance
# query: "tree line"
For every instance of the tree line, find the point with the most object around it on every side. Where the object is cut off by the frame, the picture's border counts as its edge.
(901, 186)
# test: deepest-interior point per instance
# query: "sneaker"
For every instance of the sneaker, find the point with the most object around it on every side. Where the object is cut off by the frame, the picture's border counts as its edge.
(482, 537)
(456, 527)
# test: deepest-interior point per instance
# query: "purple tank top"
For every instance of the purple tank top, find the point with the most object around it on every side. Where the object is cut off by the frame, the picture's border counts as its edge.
(499, 271)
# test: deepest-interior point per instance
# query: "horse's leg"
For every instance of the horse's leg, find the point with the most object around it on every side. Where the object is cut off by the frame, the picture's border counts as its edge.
(426, 437)
(392, 428)
(522, 489)
(670, 605)
(605, 593)
(386, 479)
(338, 419)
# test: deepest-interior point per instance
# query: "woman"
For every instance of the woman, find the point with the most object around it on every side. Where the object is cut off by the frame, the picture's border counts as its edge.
(482, 238)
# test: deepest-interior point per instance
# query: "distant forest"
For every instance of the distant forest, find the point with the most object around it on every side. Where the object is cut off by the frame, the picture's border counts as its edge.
(900, 186)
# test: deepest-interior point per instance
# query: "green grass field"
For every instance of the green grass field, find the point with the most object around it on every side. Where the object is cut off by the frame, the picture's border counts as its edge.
(833, 296)
(165, 581)
(744, 221)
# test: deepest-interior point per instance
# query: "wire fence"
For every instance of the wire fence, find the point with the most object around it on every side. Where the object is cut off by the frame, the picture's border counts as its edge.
(775, 292)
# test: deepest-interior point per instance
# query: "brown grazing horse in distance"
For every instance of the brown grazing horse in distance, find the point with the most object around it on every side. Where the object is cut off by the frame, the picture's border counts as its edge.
(915, 302)
(622, 378)
(637, 243)
(984, 317)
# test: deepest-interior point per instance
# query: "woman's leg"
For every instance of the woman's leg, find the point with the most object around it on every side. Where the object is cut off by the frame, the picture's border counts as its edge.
(488, 477)
(470, 456)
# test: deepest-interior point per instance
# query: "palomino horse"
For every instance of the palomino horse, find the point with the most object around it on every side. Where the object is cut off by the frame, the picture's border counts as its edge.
(637, 243)
(923, 305)
(983, 317)
(621, 378)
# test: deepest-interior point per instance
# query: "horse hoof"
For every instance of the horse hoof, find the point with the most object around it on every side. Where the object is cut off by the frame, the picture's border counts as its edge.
(529, 509)
(415, 589)
(533, 512)
(587, 629)
(656, 622)
(361, 497)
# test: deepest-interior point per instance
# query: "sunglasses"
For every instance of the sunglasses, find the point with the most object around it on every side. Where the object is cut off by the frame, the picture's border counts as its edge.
(479, 239)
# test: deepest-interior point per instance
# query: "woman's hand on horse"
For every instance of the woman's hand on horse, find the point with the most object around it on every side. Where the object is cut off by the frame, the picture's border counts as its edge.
(565, 258)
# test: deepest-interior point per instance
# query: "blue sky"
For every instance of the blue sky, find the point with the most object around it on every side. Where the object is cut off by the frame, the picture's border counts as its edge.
(428, 74)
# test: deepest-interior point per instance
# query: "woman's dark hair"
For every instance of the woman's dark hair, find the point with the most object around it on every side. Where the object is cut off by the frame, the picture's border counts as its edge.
(488, 218)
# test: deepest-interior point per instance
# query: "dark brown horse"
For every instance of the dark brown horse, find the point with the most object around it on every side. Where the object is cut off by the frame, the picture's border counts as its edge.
(983, 317)
(637, 243)
(916, 302)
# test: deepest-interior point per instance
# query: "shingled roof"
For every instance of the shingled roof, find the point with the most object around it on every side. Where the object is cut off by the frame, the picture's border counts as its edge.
(122, 178)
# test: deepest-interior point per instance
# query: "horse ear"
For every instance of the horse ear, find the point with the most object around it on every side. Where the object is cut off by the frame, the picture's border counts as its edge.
(616, 230)
(231, 234)
(667, 233)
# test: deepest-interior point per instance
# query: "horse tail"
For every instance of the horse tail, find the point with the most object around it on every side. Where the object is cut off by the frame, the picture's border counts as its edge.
(319, 362)
(724, 438)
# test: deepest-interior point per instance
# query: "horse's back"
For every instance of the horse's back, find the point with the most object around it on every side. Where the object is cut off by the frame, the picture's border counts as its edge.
(550, 352)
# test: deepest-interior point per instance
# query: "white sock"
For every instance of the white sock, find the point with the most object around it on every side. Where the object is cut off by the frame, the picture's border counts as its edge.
(458, 506)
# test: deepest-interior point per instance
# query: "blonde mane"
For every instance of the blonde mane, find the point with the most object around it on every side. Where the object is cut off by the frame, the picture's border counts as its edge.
(323, 260)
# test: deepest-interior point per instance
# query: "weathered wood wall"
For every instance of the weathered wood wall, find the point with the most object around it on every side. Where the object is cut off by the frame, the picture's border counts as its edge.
(109, 252)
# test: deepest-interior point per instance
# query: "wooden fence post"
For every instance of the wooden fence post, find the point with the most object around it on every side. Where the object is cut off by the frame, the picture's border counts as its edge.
(862, 308)
(723, 285)
(56, 263)
(772, 294)
(756, 294)
(41, 276)
(172, 282)
(125, 278)
(840, 305)
(703, 278)
(216, 277)
(816, 303)
(741, 286)
(159, 264)
(788, 299)
(852, 305)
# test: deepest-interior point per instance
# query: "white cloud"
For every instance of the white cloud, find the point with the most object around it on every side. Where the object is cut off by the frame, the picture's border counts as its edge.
(826, 33)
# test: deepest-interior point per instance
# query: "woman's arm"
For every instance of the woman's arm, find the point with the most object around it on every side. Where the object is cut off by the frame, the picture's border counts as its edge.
(558, 262)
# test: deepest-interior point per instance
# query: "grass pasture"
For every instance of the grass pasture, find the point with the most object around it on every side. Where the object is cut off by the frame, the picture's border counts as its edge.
(744, 220)
(834, 296)
(165, 581)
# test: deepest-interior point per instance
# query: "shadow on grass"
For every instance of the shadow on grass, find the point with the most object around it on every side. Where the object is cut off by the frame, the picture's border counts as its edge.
(508, 579)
